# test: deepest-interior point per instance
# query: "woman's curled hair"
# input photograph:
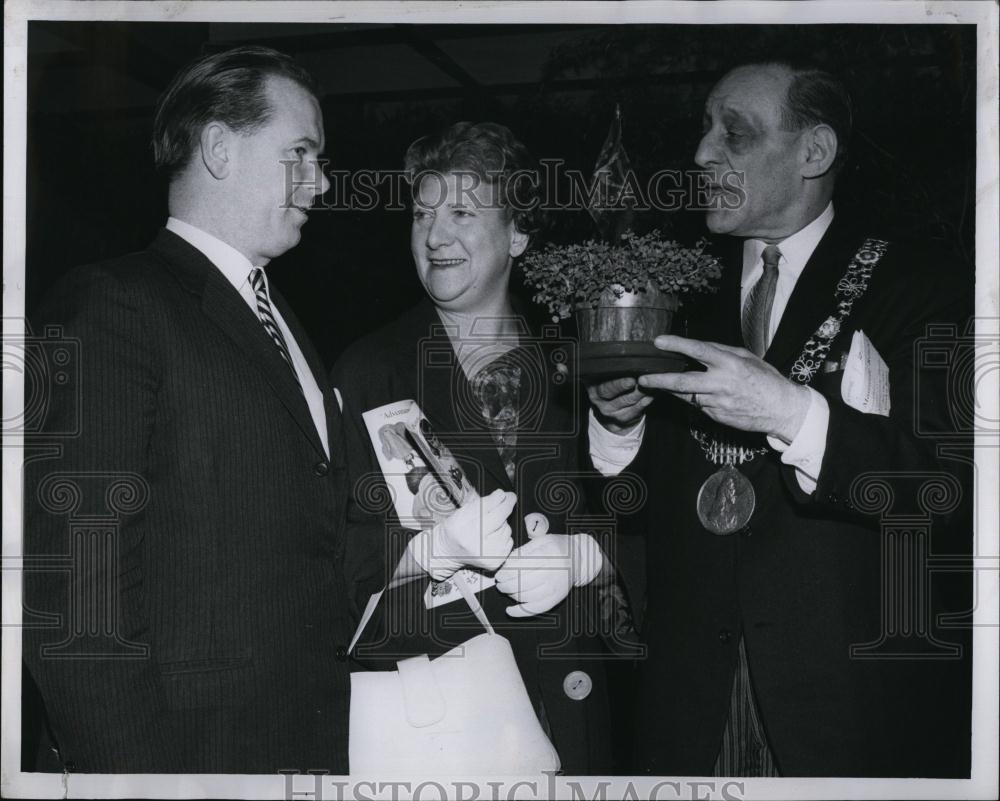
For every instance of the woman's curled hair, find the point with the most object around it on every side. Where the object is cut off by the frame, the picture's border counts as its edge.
(488, 152)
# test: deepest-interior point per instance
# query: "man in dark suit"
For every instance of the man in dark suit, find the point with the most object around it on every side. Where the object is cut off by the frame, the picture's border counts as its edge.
(778, 645)
(201, 623)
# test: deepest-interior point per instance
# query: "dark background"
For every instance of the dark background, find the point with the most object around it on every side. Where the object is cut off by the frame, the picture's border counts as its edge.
(93, 194)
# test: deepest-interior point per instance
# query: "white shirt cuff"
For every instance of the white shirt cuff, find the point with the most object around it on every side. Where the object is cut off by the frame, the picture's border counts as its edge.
(805, 452)
(611, 453)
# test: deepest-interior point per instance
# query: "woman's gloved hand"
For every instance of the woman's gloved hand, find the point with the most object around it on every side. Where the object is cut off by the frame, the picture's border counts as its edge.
(477, 535)
(541, 573)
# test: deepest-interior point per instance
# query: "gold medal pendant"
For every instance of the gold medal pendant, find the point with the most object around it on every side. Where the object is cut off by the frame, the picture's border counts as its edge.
(726, 501)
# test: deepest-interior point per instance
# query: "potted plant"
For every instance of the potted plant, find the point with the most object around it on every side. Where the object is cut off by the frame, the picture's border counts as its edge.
(624, 293)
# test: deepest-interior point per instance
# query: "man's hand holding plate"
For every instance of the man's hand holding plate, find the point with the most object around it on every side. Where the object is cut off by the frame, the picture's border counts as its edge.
(619, 403)
(737, 388)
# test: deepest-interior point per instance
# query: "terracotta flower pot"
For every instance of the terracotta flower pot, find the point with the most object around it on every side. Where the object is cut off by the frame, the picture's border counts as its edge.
(616, 336)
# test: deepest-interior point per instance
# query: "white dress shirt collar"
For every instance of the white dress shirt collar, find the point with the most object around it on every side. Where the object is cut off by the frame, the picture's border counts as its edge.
(229, 261)
(795, 249)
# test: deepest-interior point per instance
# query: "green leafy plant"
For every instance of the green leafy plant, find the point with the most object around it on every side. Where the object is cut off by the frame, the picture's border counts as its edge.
(571, 276)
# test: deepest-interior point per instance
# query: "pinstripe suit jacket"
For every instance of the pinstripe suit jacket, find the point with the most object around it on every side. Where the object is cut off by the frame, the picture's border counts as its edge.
(190, 605)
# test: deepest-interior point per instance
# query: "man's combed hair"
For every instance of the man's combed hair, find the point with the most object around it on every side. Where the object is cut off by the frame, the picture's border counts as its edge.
(491, 153)
(815, 97)
(227, 87)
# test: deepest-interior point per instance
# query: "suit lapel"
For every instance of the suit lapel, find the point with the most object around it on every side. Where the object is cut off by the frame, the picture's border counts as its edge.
(222, 304)
(330, 406)
(435, 366)
(812, 300)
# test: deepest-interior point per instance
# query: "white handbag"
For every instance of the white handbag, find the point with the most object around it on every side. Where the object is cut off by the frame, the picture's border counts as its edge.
(465, 712)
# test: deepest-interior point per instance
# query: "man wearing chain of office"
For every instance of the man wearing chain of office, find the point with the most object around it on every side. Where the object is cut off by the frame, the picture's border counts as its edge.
(771, 636)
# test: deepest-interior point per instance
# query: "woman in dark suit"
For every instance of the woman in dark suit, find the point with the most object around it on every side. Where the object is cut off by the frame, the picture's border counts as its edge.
(492, 384)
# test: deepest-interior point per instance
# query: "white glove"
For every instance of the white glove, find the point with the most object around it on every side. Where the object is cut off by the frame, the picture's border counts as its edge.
(477, 535)
(541, 573)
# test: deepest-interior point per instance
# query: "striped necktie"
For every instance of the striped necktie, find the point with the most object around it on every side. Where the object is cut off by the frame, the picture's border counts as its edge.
(266, 315)
(757, 309)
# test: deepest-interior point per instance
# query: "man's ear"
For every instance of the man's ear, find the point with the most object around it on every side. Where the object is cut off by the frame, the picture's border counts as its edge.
(215, 142)
(518, 243)
(820, 151)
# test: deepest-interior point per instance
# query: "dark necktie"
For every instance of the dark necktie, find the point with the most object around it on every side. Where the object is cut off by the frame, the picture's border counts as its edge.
(266, 315)
(757, 309)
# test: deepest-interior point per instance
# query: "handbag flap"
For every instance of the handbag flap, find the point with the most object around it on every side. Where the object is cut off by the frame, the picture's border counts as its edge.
(423, 701)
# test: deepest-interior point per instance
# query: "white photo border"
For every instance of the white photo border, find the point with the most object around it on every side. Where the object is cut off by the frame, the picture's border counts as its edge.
(17, 13)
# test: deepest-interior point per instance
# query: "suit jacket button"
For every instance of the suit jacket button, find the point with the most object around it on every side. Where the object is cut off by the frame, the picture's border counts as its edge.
(725, 635)
(577, 685)
(341, 653)
(321, 468)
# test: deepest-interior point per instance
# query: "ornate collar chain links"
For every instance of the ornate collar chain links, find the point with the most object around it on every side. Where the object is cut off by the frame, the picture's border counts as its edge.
(723, 452)
(726, 499)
